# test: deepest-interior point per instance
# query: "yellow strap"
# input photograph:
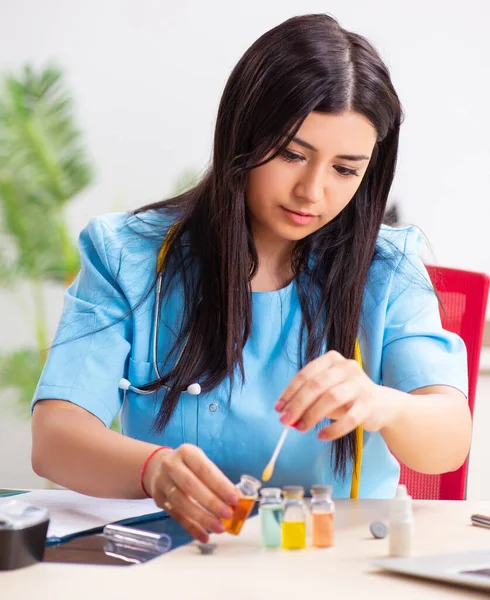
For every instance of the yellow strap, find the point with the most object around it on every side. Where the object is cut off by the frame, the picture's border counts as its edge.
(162, 254)
(356, 469)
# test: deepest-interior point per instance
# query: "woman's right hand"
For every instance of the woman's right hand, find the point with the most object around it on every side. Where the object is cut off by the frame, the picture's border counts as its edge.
(191, 489)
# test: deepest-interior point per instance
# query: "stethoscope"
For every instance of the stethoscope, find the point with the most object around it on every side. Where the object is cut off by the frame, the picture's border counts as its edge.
(124, 384)
(195, 389)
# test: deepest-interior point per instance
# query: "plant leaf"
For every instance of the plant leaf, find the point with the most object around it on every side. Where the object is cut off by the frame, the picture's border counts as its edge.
(43, 164)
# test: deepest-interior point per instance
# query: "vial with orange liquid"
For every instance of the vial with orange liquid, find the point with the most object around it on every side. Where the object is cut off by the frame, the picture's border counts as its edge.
(249, 487)
(293, 526)
(322, 514)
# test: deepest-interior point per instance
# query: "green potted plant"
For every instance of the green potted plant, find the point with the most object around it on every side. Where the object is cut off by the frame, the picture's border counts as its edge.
(43, 165)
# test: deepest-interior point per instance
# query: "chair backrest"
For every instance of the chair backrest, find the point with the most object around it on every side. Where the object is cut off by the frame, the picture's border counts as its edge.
(463, 297)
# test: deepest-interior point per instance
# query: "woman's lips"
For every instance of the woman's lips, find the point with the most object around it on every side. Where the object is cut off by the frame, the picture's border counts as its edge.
(298, 218)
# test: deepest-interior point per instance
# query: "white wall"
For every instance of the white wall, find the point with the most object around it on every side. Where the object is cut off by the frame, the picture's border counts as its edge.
(147, 77)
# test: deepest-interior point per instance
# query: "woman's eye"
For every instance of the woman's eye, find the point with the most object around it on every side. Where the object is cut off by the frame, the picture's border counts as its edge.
(345, 172)
(292, 156)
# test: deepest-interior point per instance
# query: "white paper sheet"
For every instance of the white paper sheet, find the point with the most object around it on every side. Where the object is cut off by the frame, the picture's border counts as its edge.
(71, 512)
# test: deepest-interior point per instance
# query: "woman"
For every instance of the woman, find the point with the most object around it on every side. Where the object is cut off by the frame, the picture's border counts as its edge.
(273, 268)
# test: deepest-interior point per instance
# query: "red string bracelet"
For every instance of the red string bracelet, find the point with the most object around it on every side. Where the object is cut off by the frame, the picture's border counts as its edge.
(145, 464)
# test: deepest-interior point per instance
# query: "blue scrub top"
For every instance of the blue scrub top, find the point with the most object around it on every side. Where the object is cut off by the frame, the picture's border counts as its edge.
(402, 342)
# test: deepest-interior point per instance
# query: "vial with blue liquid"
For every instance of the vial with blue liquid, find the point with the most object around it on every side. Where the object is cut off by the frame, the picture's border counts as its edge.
(271, 508)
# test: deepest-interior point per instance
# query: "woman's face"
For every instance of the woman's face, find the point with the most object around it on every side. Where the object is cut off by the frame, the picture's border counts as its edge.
(313, 179)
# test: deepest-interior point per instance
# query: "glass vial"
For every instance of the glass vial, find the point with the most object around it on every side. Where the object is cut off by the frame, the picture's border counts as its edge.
(271, 508)
(322, 516)
(249, 487)
(293, 527)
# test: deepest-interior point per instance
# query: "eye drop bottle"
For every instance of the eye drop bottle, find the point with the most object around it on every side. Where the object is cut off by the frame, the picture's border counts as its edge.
(401, 524)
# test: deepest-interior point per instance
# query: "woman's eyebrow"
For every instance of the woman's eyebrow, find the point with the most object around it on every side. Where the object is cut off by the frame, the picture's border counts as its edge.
(353, 157)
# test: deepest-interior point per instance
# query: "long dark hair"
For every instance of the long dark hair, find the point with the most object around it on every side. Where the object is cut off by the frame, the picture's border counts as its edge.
(308, 63)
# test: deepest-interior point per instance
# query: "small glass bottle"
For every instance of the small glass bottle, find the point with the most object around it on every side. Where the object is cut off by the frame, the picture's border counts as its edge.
(293, 526)
(322, 516)
(249, 487)
(271, 508)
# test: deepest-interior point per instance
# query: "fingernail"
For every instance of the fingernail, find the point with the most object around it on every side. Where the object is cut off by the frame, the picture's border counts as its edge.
(285, 417)
(217, 527)
(280, 404)
(233, 499)
(203, 538)
(299, 425)
(227, 513)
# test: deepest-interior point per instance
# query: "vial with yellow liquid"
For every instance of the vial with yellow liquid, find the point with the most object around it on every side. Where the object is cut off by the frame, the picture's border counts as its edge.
(249, 487)
(293, 527)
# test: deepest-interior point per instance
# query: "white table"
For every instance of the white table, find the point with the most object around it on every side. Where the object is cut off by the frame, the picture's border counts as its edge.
(239, 569)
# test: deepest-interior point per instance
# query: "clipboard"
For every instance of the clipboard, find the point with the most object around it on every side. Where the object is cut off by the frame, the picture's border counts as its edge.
(94, 547)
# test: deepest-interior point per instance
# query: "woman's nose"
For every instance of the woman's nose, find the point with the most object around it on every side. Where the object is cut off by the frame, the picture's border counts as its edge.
(311, 187)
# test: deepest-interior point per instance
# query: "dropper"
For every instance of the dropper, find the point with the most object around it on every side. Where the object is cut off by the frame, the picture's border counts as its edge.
(269, 470)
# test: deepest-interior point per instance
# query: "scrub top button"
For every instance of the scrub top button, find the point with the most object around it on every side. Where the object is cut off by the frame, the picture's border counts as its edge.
(213, 407)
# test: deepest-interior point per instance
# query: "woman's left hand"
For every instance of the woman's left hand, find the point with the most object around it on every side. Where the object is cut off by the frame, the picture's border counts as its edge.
(336, 388)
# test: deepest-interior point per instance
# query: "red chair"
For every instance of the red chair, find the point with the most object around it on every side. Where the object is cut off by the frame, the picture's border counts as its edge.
(463, 297)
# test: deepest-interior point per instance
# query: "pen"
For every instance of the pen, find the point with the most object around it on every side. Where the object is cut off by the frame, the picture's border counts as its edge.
(480, 520)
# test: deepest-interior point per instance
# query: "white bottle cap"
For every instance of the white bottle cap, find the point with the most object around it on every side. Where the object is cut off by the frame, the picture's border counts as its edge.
(401, 491)
(401, 505)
